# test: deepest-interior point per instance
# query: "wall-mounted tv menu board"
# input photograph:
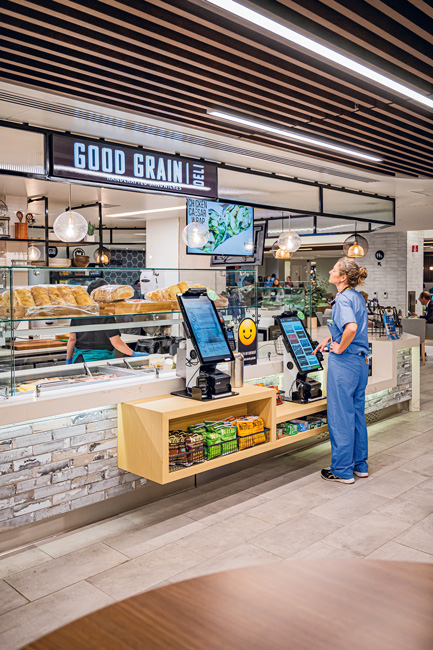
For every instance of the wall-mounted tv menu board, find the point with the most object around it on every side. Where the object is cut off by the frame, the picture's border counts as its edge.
(230, 227)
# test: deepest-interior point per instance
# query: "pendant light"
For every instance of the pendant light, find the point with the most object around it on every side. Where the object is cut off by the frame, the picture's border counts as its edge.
(70, 226)
(289, 240)
(34, 253)
(278, 252)
(355, 245)
(102, 255)
(195, 235)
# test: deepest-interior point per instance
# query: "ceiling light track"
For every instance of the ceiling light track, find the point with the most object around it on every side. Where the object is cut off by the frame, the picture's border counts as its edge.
(320, 50)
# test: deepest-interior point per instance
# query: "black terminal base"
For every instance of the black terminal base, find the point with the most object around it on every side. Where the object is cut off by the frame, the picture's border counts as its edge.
(197, 394)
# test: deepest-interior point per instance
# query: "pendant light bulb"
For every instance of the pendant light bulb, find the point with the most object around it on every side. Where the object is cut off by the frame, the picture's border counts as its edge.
(356, 250)
(195, 235)
(279, 253)
(70, 226)
(289, 240)
(34, 253)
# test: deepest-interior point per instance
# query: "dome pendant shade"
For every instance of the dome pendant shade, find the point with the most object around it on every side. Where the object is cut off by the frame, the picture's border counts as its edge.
(195, 235)
(278, 252)
(102, 255)
(70, 226)
(289, 241)
(355, 246)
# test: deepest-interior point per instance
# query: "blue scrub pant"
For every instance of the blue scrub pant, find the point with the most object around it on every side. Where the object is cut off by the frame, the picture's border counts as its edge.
(346, 381)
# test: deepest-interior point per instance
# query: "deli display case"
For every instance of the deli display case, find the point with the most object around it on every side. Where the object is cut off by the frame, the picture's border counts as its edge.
(40, 308)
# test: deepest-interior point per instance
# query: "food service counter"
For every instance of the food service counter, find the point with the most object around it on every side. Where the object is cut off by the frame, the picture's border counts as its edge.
(59, 452)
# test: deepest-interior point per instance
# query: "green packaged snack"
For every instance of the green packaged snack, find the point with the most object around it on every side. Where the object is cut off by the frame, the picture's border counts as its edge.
(289, 429)
(212, 445)
(229, 442)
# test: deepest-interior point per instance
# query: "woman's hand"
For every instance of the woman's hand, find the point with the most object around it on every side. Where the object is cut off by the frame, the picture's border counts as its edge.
(335, 348)
(322, 345)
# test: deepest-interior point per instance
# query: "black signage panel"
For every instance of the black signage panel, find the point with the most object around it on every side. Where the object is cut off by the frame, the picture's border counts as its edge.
(116, 164)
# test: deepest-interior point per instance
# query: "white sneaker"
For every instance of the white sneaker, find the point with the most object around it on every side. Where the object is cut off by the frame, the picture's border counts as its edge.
(360, 474)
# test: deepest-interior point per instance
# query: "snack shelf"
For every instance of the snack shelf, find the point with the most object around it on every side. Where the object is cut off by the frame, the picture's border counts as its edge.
(303, 435)
(144, 425)
(292, 411)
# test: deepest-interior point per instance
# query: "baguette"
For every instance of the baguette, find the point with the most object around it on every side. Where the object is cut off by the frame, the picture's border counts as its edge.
(40, 296)
(82, 297)
(24, 297)
(55, 296)
(66, 294)
(112, 293)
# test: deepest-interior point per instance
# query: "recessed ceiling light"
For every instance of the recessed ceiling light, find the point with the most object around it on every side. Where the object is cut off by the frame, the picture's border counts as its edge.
(292, 135)
(128, 214)
(323, 51)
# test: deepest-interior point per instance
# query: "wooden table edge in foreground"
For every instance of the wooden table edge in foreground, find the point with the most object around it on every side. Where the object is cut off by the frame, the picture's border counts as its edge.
(303, 605)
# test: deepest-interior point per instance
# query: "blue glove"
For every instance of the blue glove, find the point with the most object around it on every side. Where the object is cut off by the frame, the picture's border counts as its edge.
(139, 354)
(68, 361)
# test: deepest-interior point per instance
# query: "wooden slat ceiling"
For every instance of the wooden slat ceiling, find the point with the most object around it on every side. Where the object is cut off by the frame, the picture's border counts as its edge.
(175, 60)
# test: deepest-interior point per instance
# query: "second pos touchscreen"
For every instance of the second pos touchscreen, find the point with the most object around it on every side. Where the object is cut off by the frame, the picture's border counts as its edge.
(299, 344)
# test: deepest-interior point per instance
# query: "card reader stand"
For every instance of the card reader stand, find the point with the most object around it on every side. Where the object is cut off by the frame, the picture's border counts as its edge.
(203, 382)
(298, 387)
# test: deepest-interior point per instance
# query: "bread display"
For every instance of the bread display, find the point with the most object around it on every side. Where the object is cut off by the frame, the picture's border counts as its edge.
(171, 293)
(66, 294)
(82, 297)
(24, 297)
(112, 293)
(40, 296)
(55, 296)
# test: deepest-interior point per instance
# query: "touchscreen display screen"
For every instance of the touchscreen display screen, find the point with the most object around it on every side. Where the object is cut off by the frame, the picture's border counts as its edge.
(207, 329)
(300, 344)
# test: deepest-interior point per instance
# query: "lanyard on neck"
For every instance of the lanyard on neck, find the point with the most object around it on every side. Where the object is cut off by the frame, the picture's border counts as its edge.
(335, 299)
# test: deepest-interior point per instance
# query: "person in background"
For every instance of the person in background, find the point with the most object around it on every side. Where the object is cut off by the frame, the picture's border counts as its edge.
(137, 289)
(347, 375)
(289, 282)
(96, 345)
(276, 282)
(427, 302)
(269, 281)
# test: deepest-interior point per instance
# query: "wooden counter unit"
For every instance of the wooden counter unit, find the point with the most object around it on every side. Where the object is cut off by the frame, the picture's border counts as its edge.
(144, 425)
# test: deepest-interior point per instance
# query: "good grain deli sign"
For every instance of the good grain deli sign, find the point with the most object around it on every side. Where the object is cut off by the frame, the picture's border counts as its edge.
(105, 163)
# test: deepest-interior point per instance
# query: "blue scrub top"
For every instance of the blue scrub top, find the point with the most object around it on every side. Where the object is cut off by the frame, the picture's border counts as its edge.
(350, 307)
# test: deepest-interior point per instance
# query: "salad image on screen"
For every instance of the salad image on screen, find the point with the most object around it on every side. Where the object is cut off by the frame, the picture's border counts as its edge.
(230, 227)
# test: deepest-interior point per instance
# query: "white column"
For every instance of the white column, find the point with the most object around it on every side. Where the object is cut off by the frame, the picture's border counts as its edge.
(162, 247)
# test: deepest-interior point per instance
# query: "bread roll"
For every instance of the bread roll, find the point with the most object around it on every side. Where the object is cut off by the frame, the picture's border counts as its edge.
(173, 291)
(66, 294)
(24, 297)
(158, 295)
(55, 297)
(112, 293)
(40, 296)
(183, 286)
(81, 296)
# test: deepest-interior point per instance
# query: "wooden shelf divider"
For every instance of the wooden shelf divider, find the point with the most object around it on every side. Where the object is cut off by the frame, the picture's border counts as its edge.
(144, 427)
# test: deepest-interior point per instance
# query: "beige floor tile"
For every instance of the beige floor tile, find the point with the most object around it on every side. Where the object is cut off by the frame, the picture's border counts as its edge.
(415, 447)
(139, 542)
(366, 534)
(226, 508)
(36, 619)
(399, 553)
(421, 465)
(395, 434)
(289, 538)
(22, 560)
(145, 571)
(427, 485)
(318, 551)
(284, 484)
(9, 598)
(225, 535)
(376, 446)
(327, 489)
(411, 506)
(243, 555)
(47, 578)
(420, 536)
(393, 483)
(349, 507)
(278, 510)
(86, 536)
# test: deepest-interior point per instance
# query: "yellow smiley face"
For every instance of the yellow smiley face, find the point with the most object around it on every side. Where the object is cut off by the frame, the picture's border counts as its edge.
(247, 331)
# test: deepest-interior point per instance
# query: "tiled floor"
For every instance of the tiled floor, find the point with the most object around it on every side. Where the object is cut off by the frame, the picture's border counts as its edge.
(278, 511)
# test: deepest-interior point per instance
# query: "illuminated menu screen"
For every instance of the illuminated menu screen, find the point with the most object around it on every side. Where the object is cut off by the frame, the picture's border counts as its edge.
(206, 329)
(300, 344)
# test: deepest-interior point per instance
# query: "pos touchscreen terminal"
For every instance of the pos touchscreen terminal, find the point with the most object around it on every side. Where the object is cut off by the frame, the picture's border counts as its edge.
(207, 345)
(299, 349)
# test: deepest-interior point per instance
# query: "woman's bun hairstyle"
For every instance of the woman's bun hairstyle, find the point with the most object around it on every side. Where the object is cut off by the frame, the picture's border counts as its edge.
(355, 274)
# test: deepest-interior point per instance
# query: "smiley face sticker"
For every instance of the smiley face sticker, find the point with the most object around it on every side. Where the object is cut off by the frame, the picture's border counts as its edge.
(247, 331)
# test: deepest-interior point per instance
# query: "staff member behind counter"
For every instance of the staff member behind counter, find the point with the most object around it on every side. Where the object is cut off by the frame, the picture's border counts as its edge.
(96, 345)
(347, 375)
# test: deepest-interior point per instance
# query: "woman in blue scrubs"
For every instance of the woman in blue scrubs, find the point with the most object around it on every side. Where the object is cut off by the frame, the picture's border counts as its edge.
(347, 375)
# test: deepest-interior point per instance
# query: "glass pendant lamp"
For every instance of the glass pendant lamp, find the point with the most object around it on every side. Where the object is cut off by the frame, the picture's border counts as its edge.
(70, 226)
(34, 253)
(355, 245)
(278, 252)
(289, 240)
(195, 235)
